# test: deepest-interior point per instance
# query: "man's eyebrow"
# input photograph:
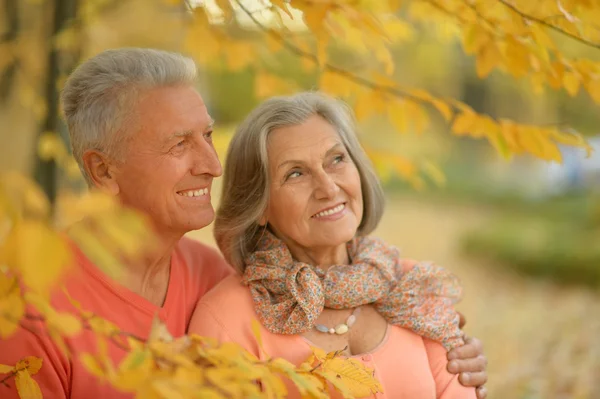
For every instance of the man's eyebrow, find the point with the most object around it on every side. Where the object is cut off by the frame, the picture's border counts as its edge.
(186, 133)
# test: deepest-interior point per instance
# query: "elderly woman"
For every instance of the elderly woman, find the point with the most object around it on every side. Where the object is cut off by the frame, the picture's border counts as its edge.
(299, 200)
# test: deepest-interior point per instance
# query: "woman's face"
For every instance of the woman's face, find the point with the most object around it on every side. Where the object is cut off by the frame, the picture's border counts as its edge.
(315, 198)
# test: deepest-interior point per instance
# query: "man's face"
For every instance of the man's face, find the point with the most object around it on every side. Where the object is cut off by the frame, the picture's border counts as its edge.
(170, 161)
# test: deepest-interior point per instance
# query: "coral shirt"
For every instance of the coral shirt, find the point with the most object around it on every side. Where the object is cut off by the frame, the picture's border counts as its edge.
(407, 365)
(195, 269)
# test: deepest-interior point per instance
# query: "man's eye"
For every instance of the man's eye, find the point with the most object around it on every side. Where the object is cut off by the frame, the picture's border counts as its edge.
(208, 135)
(180, 144)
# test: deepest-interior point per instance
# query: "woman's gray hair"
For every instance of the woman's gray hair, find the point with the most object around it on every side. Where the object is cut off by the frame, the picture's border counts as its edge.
(99, 97)
(246, 179)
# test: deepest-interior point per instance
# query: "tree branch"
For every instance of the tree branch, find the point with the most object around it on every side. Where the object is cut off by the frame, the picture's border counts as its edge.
(549, 25)
(327, 66)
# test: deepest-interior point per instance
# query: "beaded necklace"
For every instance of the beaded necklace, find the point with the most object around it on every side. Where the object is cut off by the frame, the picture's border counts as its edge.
(342, 328)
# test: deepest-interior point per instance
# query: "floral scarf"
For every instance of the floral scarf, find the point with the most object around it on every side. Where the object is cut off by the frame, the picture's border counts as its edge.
(289, 295)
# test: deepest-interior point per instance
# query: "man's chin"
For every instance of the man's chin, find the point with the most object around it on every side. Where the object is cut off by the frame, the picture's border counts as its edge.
(198, 223)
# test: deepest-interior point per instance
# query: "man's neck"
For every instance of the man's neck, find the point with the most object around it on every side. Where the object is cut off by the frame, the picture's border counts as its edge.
(149, 277)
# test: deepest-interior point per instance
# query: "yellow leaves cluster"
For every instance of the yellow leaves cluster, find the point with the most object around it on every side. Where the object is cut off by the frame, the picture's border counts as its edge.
(193, 366)
(22, 372)
(33, 258)
(208, 42)
(510, 138)
(109, 234)
(12, 306)
(51, 147)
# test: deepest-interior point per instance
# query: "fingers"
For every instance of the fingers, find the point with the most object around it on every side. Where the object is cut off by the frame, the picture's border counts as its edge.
(473, 379)
(481, 392)
(471, 349)
(474, 365)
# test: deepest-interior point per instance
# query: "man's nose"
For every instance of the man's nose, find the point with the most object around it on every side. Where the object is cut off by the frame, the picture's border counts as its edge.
(206, 161)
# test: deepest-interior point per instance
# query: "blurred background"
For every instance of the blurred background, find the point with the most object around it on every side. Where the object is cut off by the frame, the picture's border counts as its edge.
(522, 234)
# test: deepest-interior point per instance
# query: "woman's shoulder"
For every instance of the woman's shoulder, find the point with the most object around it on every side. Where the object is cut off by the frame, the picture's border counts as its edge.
(230, 293)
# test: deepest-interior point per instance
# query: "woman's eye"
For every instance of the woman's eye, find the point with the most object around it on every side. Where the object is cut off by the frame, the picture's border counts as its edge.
(293, 174)
(337, 159)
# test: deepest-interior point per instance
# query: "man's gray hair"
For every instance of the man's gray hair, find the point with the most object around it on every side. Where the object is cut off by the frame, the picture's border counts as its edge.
(99, 97)
(246, 179)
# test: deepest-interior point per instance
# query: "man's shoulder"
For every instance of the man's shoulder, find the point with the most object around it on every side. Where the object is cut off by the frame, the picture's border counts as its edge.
(202, 258)
(196, 252)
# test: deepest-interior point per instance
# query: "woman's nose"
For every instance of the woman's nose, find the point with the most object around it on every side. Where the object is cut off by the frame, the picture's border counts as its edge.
(326, 187)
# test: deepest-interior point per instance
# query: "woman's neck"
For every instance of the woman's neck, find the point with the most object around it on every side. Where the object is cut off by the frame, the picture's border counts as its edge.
(323, 257)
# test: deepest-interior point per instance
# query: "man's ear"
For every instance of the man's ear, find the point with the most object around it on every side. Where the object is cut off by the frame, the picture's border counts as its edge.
(101, 171)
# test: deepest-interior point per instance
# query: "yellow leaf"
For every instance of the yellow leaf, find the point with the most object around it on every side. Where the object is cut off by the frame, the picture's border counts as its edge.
(528, 138)
(30, 363)
(538, 33)
(51, 251)
(92, 365)
(475, 37)
(315, 17)
(307, 384)
(159, 331)
(225, 6)
(268, 85)
(273, 44)
(593, 87)
(322, 42)
(336, 84)
(571, 83)
(357, 379)
(26, 386)
(397, 115)
(133, 371)
(517, 57)
(404, 167)
(5, 369)
(500, 144)
(418, 116)
(105, 258)
(282, 5)
(398, 30)
(550, 151)
(395, 4)
(50, 146)
(488, 57)
(443, 108)
(464, 123)
(23, 196)
(555, 75)
(12, 306)
(369, 104)
(256, 332)
(239, 54)
(64, 323)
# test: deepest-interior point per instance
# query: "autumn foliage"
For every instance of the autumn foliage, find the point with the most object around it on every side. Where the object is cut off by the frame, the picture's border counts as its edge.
(527, 40)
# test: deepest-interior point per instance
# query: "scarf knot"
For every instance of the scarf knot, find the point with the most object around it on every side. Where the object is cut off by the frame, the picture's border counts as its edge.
(290, 295)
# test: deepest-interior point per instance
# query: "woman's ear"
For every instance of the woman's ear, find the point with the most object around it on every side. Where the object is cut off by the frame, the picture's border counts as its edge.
(263, 220)
(101, 171)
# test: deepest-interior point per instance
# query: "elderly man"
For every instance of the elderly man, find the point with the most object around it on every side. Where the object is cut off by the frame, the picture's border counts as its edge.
(141, 132)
